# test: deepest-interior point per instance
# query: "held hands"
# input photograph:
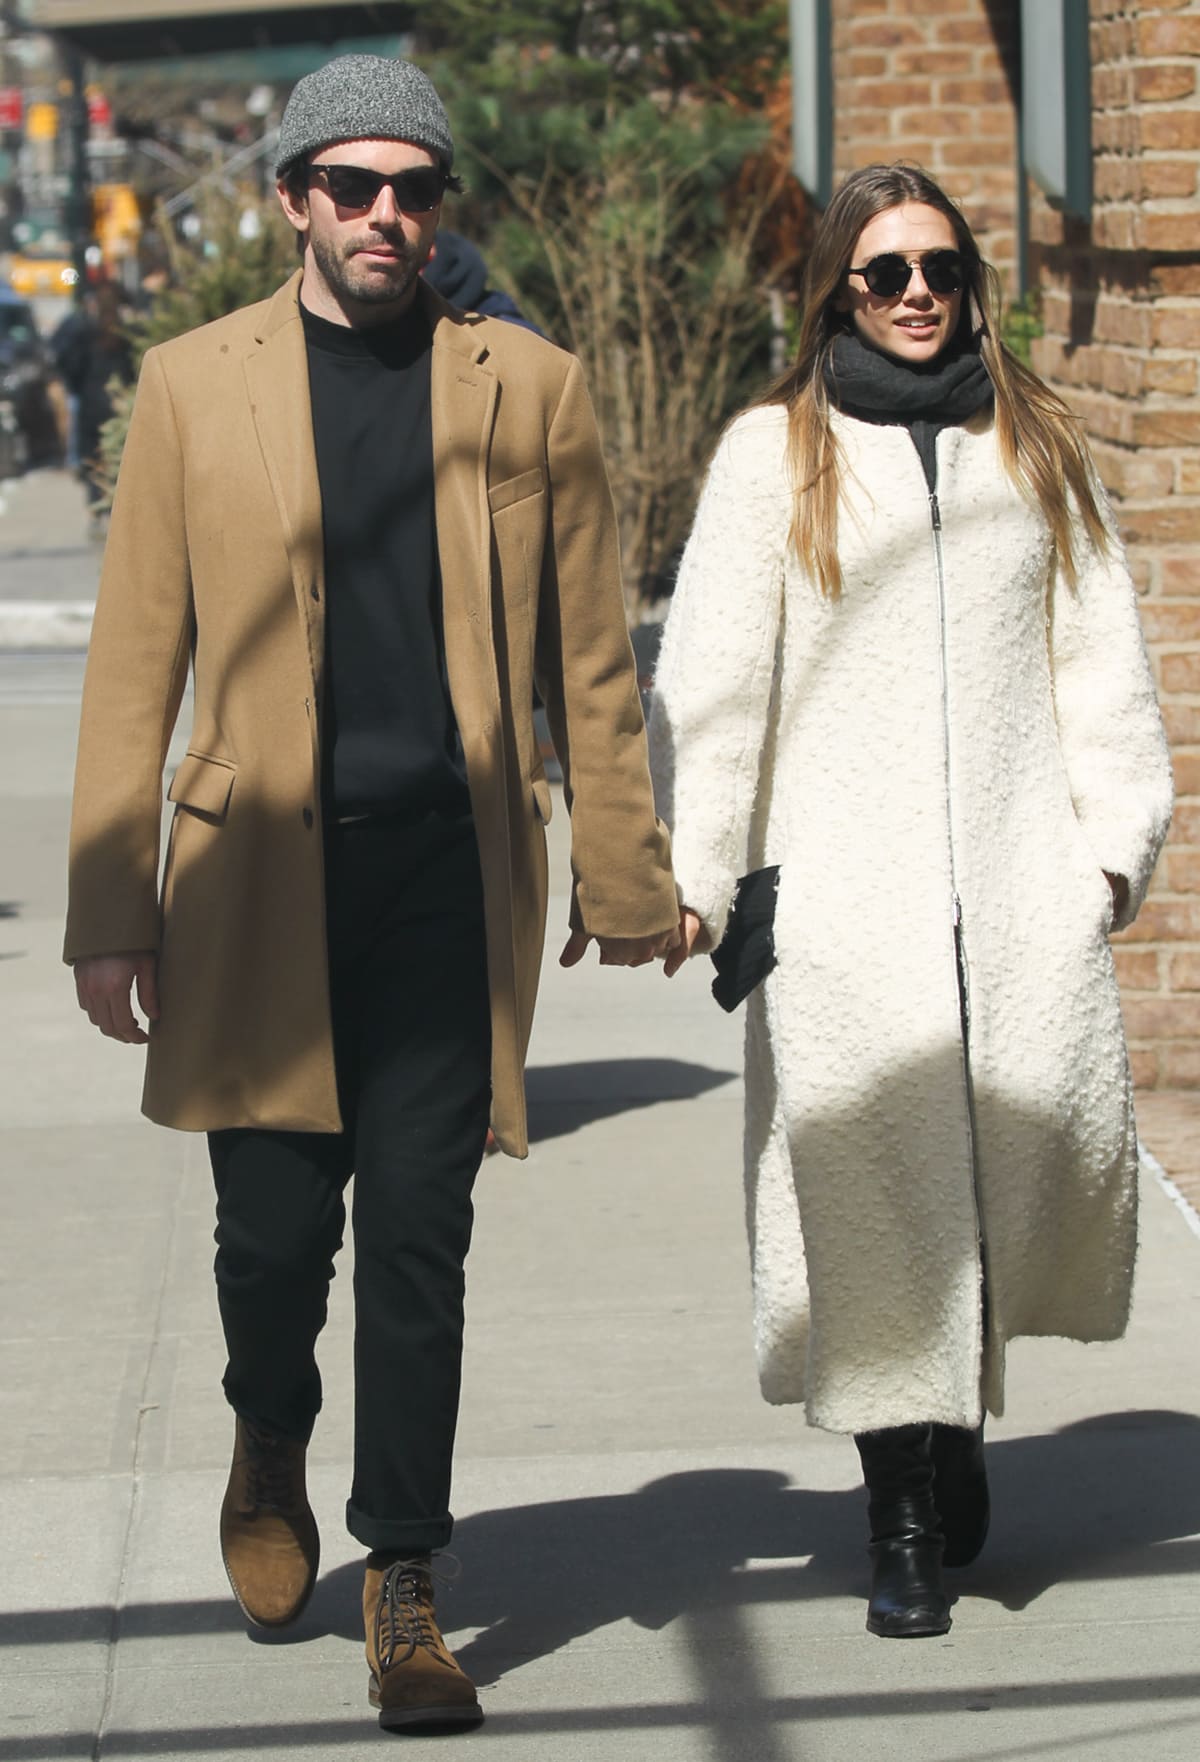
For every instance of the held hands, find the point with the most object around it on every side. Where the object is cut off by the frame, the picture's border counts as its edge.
(618, 951)
(673, 947)
(103, 983)
(693, 939)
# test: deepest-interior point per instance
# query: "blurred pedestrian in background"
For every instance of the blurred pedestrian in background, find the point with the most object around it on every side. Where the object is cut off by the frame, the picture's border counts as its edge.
(457, 270)
(91, 351)
(903, 665)
(374, 521)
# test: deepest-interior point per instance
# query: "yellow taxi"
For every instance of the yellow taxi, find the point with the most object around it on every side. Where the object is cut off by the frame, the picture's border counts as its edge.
(31, 275)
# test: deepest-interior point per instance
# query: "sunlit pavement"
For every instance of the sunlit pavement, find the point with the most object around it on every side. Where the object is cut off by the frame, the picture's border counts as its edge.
(654, 1563)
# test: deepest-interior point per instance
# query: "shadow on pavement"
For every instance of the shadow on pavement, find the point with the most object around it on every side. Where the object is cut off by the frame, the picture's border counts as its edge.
(565, 1098)
(1112, 1497)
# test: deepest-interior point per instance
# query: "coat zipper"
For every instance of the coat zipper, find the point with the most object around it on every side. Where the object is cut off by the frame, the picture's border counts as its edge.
(960, 954)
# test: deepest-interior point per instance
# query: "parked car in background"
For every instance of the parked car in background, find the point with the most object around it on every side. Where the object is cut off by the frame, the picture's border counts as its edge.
(29, 429)
(31, 274)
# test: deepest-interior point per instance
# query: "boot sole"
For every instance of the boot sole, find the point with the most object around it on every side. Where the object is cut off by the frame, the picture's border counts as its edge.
(419, 1719)
(925, 1631)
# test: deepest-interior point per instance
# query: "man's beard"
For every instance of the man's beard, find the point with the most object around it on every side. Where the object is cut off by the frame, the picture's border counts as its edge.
(348, 275)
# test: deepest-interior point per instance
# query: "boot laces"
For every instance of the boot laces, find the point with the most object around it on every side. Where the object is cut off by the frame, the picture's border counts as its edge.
(269, 1470)
(404, 1614)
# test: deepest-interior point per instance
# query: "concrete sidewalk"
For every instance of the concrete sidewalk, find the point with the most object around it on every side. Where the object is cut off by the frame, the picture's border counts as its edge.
(655, 1564)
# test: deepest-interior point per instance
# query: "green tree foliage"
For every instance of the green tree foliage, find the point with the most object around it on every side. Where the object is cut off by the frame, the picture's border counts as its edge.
(600, 50)
(612, 158)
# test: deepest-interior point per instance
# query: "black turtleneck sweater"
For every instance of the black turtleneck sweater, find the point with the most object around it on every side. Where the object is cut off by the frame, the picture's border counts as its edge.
(390, 740)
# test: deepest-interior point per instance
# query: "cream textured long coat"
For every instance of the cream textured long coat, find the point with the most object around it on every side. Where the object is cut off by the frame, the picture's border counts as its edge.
(215, 558)
(971, 739)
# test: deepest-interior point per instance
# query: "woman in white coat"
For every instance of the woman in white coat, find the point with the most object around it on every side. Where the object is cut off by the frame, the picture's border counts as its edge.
(903, 663)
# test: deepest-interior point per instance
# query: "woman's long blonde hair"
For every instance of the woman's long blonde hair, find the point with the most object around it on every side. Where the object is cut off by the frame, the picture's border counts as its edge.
(1039, 444)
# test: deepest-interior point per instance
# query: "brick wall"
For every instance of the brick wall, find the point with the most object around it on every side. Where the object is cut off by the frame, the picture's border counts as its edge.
(1121, 303)
(934, 81)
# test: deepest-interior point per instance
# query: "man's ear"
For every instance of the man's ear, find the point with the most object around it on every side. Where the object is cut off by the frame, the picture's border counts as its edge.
(294, 206)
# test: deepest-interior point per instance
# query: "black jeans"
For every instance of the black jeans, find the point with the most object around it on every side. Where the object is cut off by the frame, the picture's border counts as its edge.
(412, 1044)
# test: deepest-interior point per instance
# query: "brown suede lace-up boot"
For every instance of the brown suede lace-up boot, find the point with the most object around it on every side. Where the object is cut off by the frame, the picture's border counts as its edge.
(415, 1680)
(269, 1538)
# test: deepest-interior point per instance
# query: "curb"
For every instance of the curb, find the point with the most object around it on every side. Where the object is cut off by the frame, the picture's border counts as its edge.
(33, 625)
(1178, 1198)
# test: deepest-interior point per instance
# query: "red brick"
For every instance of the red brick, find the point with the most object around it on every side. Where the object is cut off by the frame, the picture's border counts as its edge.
(890, 95)
(964, 30)
(1168, 621)
(1162, 1018)
(1166, 428)
(1176, 327)
(1179, 1066)
(1112, 87)
(977, 92)
(1180, 576)
(1163, 178)
(1181, 673)
(1165, 920)
(1144, 1067)
(1169, 131)
(935, 8)
(1168, 36)
(1164, 525)
(1162, 82)
(1115, 180)
(1137, 968)
(1183, 870)
(1186, 767)
(1169, 232)
(1185, 829)
(867, 66)
(932, 62)
(1114, 228)
(1184, 970)
(1175, 280)
(1174, 378)
(883, 34)
(1187, 479)
(1183, 728)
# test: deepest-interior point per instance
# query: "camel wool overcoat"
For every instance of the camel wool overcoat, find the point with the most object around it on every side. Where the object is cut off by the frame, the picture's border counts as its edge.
(215, 560)
(944, 760)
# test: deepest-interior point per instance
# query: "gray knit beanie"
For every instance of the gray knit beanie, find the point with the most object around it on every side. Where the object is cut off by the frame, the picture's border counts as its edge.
(363, 98)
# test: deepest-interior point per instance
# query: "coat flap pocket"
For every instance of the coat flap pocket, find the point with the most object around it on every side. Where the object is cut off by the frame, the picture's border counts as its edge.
(203, 784)
(541, 800)
(516, 489)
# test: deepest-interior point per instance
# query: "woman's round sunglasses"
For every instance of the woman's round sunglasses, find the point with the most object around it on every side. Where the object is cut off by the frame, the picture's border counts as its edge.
(417, 190)
(889, 274)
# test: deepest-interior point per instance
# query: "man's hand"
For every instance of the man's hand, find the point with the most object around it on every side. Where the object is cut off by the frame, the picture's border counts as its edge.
(618, 951)
(692, 939)
(103, 983)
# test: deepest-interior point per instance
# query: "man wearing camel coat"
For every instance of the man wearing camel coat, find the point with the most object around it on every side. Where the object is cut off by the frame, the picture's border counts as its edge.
(370, 524)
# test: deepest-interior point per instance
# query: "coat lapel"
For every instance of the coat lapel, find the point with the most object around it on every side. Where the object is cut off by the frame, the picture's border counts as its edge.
(463, 400)
(277, 382)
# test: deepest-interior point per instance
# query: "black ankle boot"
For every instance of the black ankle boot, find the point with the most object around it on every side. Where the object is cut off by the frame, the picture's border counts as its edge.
(908, 1600)
(960, 1491)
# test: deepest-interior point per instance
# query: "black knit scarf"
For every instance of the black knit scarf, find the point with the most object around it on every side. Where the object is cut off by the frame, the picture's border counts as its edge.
(924, 397)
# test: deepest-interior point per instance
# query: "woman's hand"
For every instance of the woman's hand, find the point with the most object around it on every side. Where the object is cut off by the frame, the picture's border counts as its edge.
(693, 939)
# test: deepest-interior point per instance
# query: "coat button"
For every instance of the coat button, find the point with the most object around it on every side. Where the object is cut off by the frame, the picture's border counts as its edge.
(315, 591)
(308, 817)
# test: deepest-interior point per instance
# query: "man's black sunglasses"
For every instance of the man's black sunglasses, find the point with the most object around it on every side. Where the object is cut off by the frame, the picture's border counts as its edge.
(890, 273)
(353, 186)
